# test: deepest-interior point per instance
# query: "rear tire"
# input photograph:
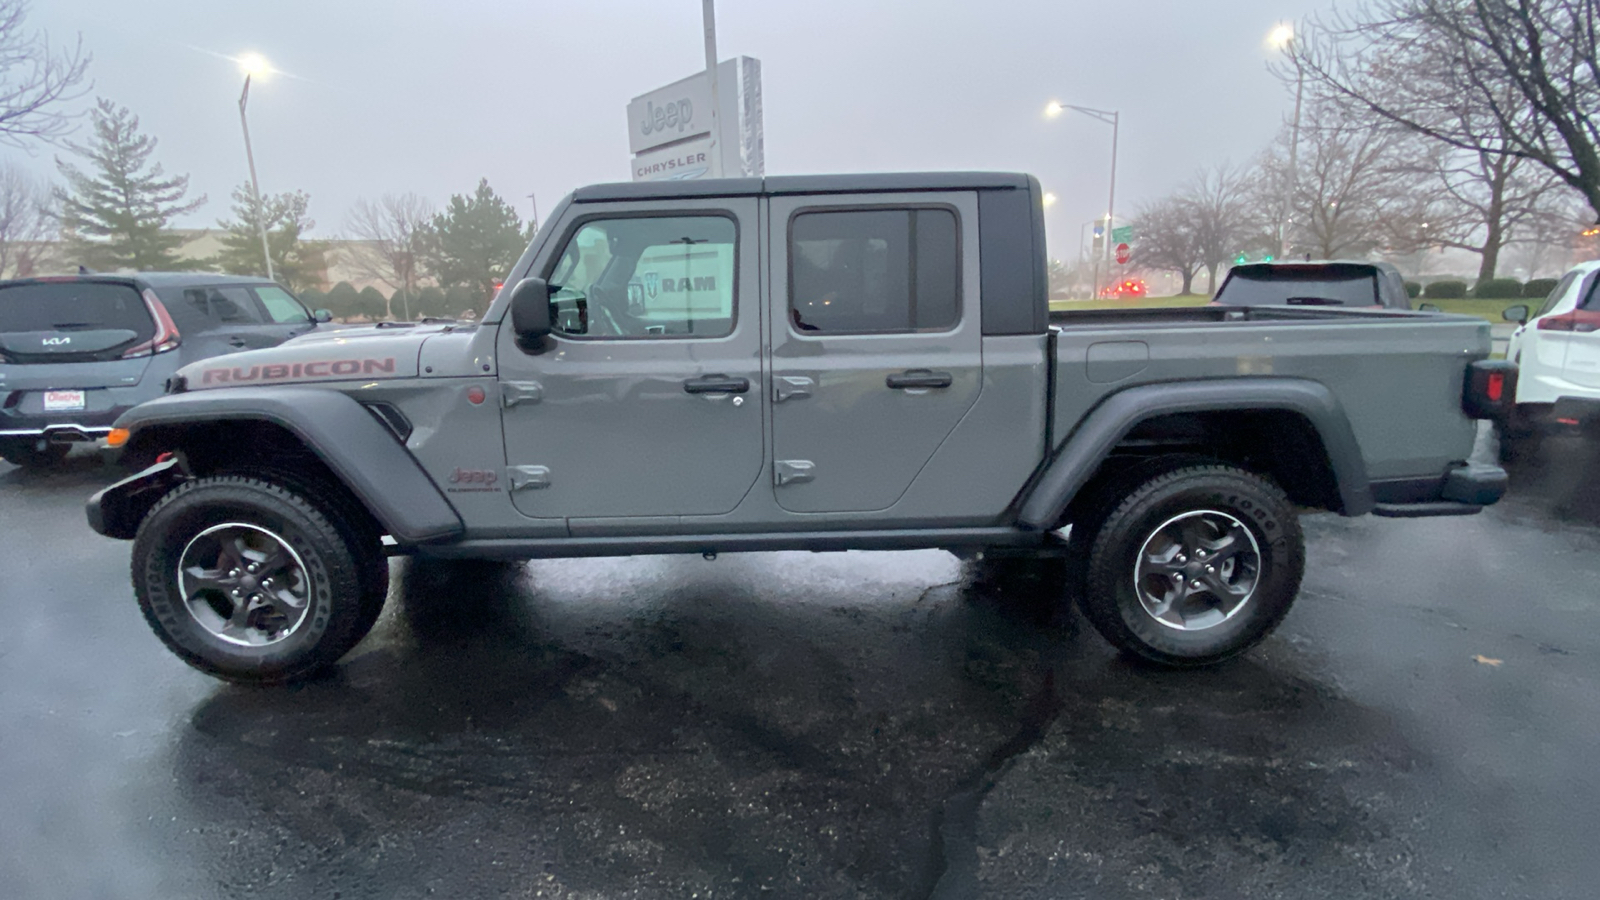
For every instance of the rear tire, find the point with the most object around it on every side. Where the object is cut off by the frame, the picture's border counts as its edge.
(29, 455)
(189, 565)
(1194, 566)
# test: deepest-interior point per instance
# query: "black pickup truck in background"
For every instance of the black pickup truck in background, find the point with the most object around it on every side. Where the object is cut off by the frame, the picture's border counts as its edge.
(1337, 282)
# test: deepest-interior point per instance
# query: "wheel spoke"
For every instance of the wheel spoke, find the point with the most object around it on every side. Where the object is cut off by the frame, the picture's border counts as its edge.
(200, 579)
(1163, 564)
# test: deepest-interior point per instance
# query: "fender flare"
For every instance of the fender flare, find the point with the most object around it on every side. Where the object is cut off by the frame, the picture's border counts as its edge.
(359, 449)
(1111, 421)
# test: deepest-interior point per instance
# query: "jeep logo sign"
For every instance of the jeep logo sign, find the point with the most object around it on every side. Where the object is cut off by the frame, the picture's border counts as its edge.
(677, 116)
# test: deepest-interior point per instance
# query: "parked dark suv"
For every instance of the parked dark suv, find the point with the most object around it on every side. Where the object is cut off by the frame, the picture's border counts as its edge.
(76, 351)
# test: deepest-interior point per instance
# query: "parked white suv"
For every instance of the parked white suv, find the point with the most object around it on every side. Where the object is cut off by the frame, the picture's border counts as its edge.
(1557, 350)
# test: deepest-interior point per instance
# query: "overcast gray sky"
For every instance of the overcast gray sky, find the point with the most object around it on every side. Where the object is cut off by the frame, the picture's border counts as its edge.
(397, 95)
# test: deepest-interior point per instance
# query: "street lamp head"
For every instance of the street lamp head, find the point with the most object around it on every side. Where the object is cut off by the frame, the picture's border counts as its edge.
(1281, 36)
(1054, 108)
(253, 65)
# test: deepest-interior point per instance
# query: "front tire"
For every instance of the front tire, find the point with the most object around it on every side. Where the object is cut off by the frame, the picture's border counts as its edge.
(251, 580)
(1194, 566)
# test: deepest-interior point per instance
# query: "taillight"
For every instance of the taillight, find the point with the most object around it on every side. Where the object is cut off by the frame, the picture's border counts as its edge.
(1582, 321)
(1489, 389)
(166, 336)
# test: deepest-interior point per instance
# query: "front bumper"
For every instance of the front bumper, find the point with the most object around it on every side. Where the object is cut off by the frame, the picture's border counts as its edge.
(1461, 491)
(117, 510)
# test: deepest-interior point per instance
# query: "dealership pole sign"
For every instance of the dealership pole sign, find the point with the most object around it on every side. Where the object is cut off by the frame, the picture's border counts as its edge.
(669, 129)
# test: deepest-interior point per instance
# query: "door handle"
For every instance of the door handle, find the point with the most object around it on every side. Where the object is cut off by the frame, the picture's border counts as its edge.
(716, 384)
(919, 378)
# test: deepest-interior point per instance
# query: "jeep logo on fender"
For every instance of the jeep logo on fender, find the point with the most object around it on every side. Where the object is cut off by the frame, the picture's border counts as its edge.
(470, 480)
(334, 368)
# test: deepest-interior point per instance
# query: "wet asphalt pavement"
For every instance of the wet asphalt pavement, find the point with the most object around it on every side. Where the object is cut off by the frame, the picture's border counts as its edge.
(1424, 724)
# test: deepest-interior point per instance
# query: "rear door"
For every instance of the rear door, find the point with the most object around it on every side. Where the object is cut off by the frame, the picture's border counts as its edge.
(876, 343)
(1582, 364)
(226, 318)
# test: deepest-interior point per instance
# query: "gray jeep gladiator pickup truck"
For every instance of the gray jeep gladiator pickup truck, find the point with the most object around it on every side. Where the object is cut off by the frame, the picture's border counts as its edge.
(818, 363)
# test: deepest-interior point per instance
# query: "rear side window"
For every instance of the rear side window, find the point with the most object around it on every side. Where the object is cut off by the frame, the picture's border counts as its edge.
(1315, 286)
(1592, 299)
(281, 306)
(874, 271)
(1556, 293)
(74, 306)
(221, 305)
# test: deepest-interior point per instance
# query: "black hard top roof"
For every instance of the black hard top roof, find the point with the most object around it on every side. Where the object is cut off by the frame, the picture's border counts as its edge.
(803, 184)
(1309, 264)
(152, 279)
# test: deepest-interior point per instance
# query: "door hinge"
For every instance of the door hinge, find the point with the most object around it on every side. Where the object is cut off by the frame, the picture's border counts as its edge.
(792, 471)
(529, 478)
(514, 392)
(787, 387)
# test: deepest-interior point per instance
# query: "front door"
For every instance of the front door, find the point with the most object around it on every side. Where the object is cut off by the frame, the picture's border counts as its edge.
(646, 400)
(876, 344)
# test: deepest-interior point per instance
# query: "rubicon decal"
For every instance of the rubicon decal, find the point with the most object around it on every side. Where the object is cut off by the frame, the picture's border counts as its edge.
(326, 368)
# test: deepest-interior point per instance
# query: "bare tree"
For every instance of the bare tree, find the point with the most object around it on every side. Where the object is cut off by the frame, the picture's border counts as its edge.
(1222, 204)
(26, 221)
(1514, 78)
(1479, 202)
(1168, 239)
(1350, 188)
(35, 79)
(391, 230)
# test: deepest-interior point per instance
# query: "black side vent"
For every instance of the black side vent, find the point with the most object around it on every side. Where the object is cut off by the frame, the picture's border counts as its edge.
(392, 418)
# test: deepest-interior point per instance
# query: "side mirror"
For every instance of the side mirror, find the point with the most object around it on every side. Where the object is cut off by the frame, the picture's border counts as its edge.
(530, 311)
(1430, 307)
(1517, 314)
(322, 316)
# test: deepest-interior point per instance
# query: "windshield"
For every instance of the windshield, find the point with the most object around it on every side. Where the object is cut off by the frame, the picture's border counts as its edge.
(73, 306)
(1315, 286)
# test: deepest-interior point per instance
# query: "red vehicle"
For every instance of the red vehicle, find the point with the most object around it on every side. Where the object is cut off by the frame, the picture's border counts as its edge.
(1128, 288)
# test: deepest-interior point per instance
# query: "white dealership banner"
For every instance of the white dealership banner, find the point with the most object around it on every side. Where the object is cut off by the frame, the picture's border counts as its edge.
(669, 129)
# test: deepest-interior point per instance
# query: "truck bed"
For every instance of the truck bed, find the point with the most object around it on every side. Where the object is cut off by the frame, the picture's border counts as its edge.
(1398, 373)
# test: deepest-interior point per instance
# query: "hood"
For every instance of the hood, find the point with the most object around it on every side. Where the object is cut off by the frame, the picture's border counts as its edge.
(358, 352)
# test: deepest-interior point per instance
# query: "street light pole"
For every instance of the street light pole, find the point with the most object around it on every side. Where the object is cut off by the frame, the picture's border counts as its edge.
(255, 186)
(1114, 119)
(709, 15)
(1282, 38)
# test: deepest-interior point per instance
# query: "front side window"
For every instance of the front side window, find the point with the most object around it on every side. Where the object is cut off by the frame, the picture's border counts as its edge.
(281, 306)
(874, 270)
(661, 276)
